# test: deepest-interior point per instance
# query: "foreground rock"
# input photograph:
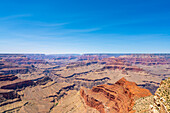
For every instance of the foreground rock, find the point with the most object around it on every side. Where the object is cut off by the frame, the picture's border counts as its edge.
(158, 103)
(117, 98)
(161, 98)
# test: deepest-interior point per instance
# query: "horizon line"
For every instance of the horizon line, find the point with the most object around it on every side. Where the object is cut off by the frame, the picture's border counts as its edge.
(86, 53)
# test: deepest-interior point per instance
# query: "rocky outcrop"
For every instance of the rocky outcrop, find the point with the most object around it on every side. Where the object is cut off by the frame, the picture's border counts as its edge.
(117, 98)
(161, 98)
(92, 102)
(157, 103)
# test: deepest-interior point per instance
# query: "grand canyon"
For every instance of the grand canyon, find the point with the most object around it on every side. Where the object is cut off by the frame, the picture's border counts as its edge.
(84, 56)
(87, 83)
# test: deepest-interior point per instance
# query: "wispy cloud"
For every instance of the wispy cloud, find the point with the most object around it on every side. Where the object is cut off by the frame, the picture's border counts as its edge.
(82, 30)
(14, 16)
(62, 34)
(39, 37)
(51, 25)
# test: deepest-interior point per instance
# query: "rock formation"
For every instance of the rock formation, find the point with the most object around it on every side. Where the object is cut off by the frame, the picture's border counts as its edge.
(161, 98)
(116, 98)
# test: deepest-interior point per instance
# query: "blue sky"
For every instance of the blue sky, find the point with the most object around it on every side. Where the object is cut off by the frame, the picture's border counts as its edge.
(84, 26)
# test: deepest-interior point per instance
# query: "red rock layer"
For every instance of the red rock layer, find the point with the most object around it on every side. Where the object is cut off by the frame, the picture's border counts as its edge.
(123, 68)
(144, 59)
(117, 98)
(121, 64)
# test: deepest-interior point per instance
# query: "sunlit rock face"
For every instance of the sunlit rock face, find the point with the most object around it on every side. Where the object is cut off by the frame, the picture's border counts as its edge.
(116, 98)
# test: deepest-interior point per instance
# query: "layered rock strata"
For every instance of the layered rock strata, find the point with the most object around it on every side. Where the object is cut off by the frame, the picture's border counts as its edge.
(116, 98)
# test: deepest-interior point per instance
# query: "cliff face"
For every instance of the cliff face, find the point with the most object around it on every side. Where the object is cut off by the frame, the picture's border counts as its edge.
(120, 64)
(117, 98)
(161, 98)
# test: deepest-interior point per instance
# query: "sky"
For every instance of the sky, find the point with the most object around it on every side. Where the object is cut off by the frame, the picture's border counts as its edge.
(84, 26)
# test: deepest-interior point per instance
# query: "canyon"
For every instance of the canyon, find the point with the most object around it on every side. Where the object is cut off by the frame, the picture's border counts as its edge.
(91, 83)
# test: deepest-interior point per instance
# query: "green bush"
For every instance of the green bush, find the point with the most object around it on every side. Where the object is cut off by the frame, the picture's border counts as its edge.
(56, 104)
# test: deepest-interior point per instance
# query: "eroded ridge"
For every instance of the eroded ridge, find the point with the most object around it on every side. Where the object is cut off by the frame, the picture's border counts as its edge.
(116, 98)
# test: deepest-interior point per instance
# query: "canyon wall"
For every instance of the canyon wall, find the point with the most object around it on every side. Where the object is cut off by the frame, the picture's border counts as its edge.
(116, 98)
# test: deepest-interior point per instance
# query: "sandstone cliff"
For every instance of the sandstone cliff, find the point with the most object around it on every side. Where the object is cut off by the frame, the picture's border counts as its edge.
(116, 98)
